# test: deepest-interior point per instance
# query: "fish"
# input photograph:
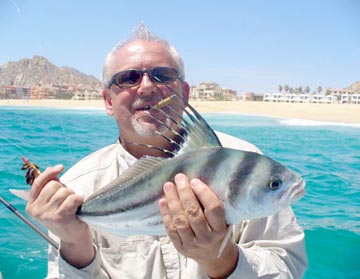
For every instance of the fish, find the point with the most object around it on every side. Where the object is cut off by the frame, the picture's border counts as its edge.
(250, 185)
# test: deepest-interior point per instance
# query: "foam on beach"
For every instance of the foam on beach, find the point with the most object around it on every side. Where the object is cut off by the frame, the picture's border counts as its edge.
(304, 122)
(82, 108)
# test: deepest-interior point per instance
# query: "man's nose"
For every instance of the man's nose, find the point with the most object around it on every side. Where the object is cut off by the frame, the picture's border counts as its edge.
(146, 85)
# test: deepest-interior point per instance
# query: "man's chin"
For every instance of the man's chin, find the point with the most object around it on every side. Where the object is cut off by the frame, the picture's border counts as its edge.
(148, 129)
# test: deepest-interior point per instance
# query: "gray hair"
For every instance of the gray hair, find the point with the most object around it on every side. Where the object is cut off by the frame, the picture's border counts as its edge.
(141, 32)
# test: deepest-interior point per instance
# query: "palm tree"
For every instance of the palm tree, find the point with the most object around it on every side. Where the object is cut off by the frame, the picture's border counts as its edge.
(307, 89)
(286, 87)
(280, 88)
(298, 90)
(319, 89)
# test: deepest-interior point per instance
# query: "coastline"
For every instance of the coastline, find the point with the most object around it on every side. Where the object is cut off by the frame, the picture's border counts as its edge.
(342, 113)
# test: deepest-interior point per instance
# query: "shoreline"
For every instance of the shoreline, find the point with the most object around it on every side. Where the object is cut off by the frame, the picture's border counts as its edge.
(340, 113)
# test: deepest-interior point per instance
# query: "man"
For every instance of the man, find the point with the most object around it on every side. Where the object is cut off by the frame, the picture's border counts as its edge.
(194, 218)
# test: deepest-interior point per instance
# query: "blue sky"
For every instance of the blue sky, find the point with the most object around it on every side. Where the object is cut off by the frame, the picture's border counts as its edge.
(248, 46)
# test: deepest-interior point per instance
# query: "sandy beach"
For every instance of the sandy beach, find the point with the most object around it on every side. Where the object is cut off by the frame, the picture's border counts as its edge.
(346, 113)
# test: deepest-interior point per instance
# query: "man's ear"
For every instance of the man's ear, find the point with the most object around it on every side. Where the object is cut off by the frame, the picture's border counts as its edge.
(185, 91)
(108, 101)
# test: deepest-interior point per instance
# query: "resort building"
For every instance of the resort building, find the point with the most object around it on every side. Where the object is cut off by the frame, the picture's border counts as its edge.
(250, 96)
(50, 91)
(345, 98)
(43, 92)
(14, 92)
(211, 91)
(87, 94)
(339, 91)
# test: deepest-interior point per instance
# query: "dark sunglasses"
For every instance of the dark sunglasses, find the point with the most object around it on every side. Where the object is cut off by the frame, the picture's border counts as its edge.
(132, 77)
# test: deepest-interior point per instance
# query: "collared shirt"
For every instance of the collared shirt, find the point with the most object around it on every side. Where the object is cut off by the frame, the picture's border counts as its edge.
(271, 247)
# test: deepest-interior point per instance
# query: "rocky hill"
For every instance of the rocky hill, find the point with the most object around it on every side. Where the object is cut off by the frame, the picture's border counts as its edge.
(355, 86)
(30, 72)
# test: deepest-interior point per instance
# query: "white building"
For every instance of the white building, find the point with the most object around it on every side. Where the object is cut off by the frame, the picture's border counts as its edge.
(211, 91)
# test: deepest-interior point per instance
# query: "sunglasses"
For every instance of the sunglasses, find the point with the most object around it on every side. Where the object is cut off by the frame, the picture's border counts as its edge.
(132, 77)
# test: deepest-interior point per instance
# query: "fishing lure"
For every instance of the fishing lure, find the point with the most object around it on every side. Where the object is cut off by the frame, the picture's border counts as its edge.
(32, 172)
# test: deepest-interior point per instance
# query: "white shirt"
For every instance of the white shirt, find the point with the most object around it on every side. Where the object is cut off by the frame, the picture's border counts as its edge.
(271, 247)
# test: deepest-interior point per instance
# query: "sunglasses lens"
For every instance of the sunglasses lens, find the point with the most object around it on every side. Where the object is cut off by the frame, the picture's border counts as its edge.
(127, 78)
(164, 74)
(132, 77)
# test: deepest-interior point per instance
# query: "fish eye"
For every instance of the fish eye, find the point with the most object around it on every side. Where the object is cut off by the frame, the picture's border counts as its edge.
(274, 183)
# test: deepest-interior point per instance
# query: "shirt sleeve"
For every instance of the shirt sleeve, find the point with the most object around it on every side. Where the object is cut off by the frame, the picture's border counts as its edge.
(270, 247)
(58, 268)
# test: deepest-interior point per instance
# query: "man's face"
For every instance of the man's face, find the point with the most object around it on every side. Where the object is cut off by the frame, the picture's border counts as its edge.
(128, 105)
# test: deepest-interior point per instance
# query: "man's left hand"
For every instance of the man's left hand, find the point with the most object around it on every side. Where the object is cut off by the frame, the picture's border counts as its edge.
(194, 218)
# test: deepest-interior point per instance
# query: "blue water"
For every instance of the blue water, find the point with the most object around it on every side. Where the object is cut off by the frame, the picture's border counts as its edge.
(328, 157)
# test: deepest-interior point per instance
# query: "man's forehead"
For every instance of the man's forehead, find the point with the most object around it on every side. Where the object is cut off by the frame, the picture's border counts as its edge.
(138, 46)
(139, 53)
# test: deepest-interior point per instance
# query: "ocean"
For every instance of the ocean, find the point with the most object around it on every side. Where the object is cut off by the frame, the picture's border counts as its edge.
(326, 154)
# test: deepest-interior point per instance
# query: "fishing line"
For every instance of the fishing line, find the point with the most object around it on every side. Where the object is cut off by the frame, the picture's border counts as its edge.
(31, 225)
(66, 141)
(19, 147)
(15, 211)
(8, 222)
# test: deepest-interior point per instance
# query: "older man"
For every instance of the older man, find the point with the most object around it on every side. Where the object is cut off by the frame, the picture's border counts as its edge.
(138, 73)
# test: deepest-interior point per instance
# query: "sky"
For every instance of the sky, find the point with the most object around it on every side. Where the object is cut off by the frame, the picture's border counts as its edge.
(247, 46)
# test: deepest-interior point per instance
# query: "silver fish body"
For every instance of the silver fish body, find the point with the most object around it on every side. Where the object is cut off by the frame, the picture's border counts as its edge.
(249, 184)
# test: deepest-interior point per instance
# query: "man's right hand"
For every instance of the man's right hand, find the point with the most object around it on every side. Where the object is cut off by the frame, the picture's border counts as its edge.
(55, 207)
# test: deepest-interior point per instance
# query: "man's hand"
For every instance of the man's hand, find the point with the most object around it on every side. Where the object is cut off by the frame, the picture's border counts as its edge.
(194, 218)
(55, 207)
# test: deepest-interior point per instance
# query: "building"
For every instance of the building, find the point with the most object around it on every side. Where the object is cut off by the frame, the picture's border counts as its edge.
(250, 96)
(43, 92)
(339, 91)
(230, 95)
(51, 91)
(211, 91)
(14, 92)
(87, 94)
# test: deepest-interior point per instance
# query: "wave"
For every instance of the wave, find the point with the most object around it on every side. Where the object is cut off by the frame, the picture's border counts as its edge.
(82, 108)
(45, 108)
(303, 122)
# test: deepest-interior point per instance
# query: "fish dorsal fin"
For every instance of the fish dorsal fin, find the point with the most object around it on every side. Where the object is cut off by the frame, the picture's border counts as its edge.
(198, 132)
(141, 166)
(191, 132)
